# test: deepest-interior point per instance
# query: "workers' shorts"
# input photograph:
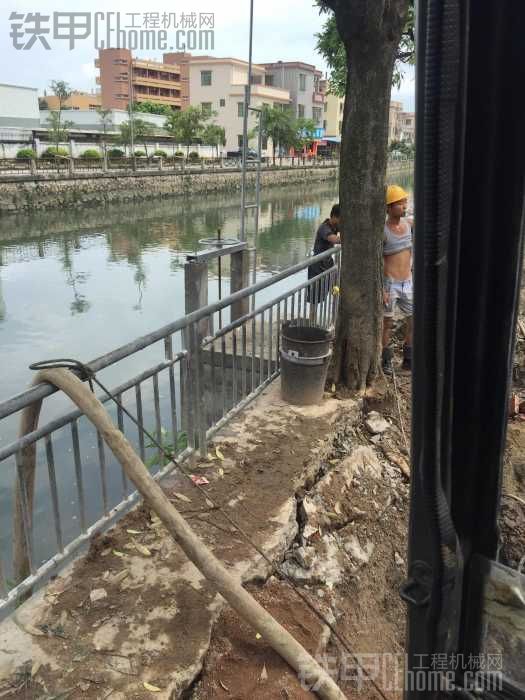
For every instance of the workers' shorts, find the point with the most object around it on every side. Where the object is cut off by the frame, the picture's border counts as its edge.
(400, 296)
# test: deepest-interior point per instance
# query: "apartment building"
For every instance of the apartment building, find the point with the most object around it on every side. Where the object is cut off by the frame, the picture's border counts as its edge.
(304, 83)
(393, 120)
(78, 101)
(401, 125)
(123, 78)
(407, 126)
(333, 115)
(217, 85)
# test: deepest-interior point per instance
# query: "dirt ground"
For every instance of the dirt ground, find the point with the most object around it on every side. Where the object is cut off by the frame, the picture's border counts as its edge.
(368, 612)
(339, 563)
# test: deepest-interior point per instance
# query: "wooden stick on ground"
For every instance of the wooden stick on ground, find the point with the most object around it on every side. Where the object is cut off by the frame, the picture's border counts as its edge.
(222, 580)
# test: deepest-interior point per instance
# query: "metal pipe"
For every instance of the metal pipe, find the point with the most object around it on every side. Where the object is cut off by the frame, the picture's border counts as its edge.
(58, 423)
(222, 580)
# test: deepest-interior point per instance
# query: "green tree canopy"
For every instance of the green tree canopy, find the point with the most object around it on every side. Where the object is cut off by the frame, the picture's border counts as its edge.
(280, 126)
(214, 135)
(187, 126)
(331, 47)
(59, 130)
(148, 107)
(141, 132)
(304, 132)
(105, 122)
(58, 127)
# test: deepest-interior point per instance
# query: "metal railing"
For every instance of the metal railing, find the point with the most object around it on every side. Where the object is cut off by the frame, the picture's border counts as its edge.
(194, 377)
(70, 166)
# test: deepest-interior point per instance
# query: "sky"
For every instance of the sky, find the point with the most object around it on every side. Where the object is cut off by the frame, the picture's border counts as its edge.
(283, 30)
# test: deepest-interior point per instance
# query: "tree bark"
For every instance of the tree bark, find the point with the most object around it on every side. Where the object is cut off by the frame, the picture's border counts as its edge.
(371, 31)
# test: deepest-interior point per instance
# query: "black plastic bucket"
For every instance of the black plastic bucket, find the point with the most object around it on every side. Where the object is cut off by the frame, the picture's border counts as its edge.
(305, 355)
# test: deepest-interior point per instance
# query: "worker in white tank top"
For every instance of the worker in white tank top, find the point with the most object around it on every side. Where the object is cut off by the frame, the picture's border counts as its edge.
(397, 274)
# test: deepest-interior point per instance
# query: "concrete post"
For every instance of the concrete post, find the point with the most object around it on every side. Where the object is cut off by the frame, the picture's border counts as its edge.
(196, 292)
(160, 163)
(33, 166)
(71, 166)
(240, 278)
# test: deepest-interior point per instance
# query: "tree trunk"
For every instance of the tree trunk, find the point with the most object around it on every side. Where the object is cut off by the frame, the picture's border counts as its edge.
(371, 31)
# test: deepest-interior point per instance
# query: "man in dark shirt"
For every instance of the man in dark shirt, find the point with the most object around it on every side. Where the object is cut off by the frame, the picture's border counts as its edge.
(327, 236)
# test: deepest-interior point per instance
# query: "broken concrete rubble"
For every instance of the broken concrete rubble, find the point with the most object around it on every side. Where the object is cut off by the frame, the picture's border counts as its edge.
(376, 424)
(325, 568)
(399, 559)
(360, 553)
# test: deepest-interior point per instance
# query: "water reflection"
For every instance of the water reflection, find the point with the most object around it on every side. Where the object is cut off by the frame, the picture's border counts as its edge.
(81, 282)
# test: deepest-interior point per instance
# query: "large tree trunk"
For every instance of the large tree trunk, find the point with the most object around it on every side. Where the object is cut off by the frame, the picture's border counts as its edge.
(371, 31)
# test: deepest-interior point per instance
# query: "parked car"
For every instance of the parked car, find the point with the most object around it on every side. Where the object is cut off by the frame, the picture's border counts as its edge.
(250, 154)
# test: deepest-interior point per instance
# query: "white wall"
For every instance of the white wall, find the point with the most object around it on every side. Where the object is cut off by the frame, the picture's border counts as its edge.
(227, 82)
(9, 150)
(18, 106)
(89, 119)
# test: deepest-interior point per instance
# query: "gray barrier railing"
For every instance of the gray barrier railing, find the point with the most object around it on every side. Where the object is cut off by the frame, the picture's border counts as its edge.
(197, 376)
(70, 166)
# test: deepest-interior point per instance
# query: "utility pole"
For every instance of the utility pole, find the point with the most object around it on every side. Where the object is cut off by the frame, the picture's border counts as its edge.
(130, 105)
(247, 95)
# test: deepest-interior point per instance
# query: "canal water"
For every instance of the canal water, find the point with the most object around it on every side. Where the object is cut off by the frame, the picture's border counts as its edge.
(80, 283)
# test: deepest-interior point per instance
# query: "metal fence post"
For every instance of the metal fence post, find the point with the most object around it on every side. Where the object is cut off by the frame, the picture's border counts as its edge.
(196, 292)
(240, 278)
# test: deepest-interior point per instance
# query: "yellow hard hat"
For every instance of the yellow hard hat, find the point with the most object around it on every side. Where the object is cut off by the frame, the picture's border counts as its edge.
(394, 193)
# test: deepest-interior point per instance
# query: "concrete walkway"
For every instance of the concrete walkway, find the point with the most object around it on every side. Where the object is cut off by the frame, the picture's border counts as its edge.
(134, 617)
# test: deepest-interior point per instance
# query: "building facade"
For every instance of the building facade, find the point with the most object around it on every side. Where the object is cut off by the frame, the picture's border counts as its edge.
(217, 85)
(333, 115)
(407, 126)
(78, 101)
(304, 83)
(19, 107)
(123, 79)
(393, 116)
(401, 125)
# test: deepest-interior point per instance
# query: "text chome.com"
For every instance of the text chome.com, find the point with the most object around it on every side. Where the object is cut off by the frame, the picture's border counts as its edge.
(432, 671)
(142, 31)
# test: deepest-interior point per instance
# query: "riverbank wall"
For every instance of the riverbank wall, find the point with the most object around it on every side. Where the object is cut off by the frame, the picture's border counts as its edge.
(41, 192)
(38, 193)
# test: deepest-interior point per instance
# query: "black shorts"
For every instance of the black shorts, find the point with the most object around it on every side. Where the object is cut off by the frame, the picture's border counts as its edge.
(317, 292)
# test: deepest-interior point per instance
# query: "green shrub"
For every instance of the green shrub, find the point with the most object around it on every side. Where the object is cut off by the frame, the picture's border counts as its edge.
(26, 153)
(160, 153)
(52, 152)
(194, 156)
(91, 154)
(179, 154)
(140, 154)
(115, 153)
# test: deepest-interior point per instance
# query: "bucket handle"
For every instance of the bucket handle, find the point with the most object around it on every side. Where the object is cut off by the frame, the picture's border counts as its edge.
(294, 357)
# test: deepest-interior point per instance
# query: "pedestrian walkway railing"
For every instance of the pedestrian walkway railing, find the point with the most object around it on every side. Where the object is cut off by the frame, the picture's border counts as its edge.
(66, 166)
(59, 485)
(70, 167)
